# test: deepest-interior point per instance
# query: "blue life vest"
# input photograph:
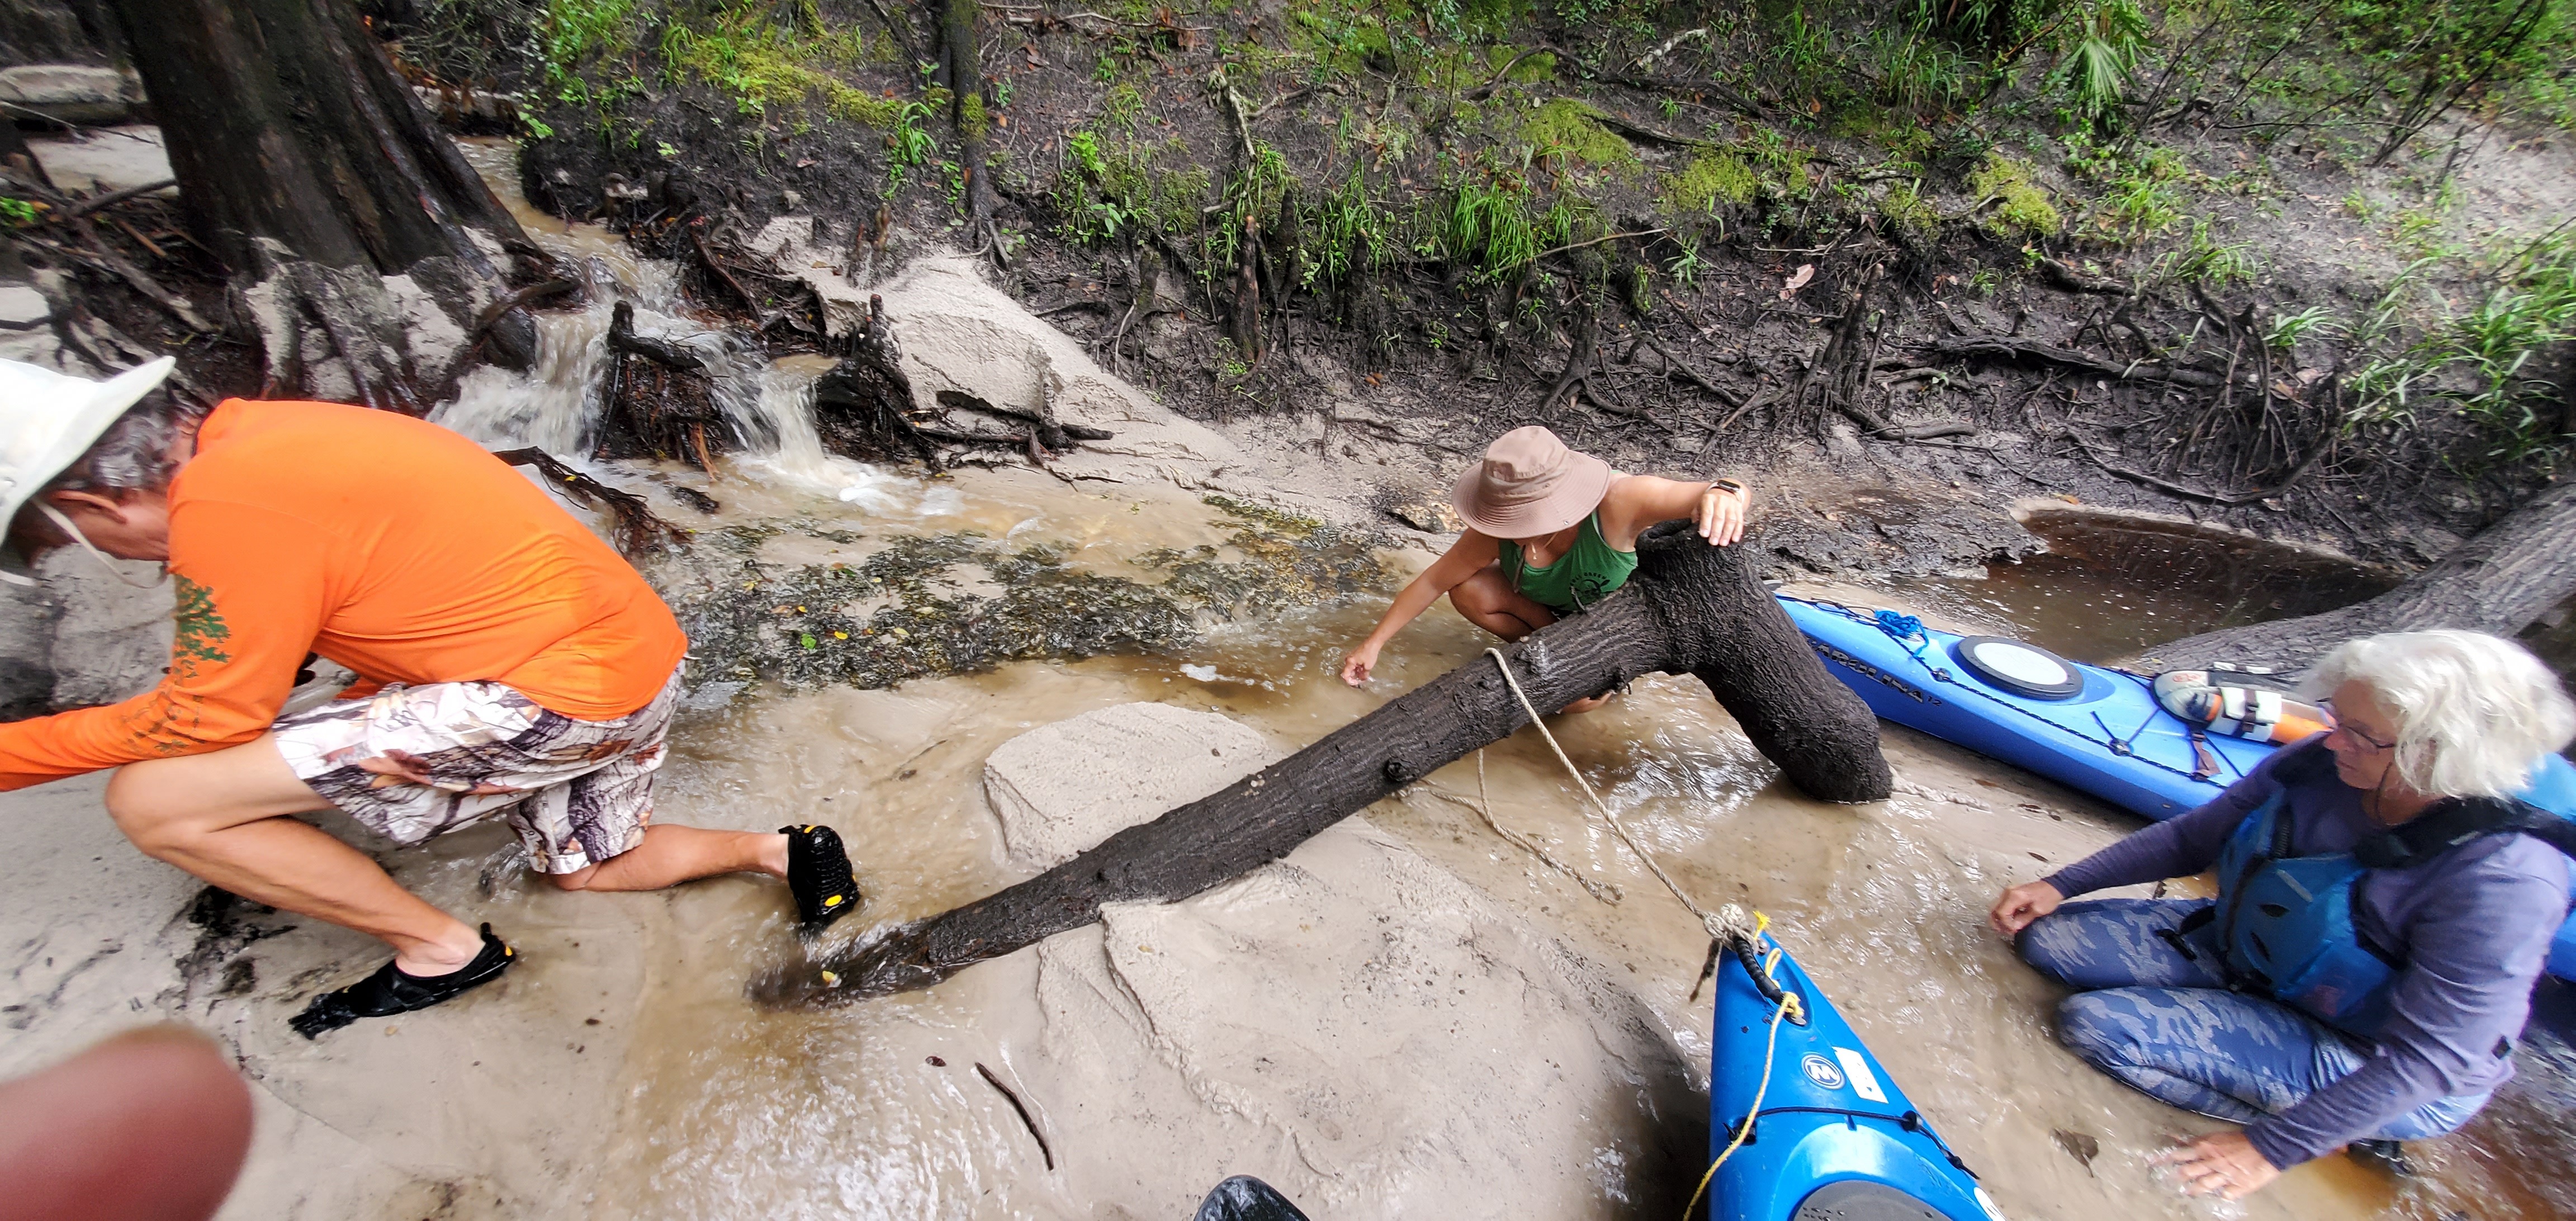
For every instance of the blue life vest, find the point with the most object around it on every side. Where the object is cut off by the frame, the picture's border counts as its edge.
(2285, 924)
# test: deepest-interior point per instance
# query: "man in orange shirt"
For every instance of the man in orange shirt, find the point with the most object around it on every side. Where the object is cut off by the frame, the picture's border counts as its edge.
(511, 664)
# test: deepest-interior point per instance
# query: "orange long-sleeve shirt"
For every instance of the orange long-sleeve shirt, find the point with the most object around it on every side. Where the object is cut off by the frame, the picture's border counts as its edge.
(389, 545)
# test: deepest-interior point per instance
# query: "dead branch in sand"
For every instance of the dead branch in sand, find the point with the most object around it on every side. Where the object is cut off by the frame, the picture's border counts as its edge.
(638, 529)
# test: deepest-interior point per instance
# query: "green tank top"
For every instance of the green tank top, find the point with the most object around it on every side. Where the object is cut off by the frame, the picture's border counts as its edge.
(1589, 571)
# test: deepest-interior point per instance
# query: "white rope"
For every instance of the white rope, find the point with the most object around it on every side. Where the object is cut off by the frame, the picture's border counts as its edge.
(1707, 919)
(65, 524)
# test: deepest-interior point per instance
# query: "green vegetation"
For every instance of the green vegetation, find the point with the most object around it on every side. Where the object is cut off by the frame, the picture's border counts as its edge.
(1570, 130)
(1114, 182)
(1908, 215)
(1709, 180)
(1489, 228)
(2022, 209)
(1379, 137)
(2489, 364)
(2206, 260)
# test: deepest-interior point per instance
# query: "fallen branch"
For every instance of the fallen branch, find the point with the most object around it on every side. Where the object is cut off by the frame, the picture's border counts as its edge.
(1052, 433)
(2222, 499)
(1675, 365)
(1608, 237)
(1877, 425)
(535, 292)
(638, 529)
(2067, 277)
(2017, 351)
(1483, 91)
(1025, 1117)
(113, 198)
(623, 340)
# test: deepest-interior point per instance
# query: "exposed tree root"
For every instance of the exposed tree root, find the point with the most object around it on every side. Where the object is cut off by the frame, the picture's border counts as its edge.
(664, 409)
(2027, 352)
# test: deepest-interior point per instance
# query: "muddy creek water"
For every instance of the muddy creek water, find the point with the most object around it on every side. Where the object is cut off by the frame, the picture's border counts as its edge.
(672, 1096)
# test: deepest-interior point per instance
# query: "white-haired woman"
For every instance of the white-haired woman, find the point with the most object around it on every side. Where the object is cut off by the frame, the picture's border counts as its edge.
(2379, 923)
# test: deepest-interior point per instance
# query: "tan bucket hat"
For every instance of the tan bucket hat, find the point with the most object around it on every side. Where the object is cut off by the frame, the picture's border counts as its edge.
(47, 421)
(1529, 484)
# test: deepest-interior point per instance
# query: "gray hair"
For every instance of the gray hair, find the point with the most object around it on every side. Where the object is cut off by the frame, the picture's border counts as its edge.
(133, 454)
(2474, 713)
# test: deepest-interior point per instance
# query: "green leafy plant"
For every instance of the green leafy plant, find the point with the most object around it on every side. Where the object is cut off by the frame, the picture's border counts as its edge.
(2288, 330)
(2206, 260)
(18, 213)
(2488, 366)
(909, 143)
(1489, 229)
(1688, 265)
(2108, 37)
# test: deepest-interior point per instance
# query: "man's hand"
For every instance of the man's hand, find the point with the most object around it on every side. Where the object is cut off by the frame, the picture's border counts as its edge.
(1720, 516)
(2021, 905)
(2222, 1164)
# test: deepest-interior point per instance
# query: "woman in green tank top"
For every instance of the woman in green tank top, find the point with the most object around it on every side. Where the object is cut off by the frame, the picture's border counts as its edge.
(1550, 532)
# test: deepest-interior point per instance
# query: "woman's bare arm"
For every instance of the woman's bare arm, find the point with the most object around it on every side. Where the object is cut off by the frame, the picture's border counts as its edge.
(1640, 501)
(1470, 553)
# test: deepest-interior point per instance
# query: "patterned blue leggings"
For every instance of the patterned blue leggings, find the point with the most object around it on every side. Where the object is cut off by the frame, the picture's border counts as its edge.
(2167, 1023)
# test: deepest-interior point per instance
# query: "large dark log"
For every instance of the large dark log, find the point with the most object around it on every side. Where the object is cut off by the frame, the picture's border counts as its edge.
(1691, 608)
(308, 165)
(2500, 582)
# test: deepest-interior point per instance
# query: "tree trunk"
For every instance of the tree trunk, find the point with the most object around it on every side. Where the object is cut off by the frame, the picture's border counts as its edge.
(963, 62)
(2500, 582)
(1691, 608)
(311, 169)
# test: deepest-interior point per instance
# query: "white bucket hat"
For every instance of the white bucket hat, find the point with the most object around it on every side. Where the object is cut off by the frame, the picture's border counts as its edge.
(47, 421)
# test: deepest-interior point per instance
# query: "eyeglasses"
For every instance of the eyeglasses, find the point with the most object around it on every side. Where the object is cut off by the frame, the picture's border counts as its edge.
(2344, 727)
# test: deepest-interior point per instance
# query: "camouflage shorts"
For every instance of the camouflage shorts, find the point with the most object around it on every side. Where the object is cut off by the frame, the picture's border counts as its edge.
(577, 792)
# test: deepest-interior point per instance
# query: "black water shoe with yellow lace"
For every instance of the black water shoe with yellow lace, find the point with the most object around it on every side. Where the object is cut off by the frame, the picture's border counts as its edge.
(392, 990)
(818, 874)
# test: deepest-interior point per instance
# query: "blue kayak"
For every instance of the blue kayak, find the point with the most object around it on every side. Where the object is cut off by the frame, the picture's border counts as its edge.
(1833, 1136)
(2092, 729)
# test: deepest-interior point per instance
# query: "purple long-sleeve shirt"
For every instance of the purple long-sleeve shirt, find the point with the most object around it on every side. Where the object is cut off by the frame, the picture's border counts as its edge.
(2473, 926)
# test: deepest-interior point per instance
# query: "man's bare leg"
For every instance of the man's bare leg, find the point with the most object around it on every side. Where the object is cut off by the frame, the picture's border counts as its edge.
(672, 855)
(221, 816)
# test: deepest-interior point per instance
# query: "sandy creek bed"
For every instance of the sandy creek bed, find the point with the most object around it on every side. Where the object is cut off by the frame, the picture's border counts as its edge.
(1278, 1026)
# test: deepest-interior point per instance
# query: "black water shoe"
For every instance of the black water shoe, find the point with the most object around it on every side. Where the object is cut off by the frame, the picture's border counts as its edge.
(818, 874)
(392, 990)
(2388, 1155)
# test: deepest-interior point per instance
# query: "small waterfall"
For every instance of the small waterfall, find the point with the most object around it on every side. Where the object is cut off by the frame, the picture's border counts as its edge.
(555, 405)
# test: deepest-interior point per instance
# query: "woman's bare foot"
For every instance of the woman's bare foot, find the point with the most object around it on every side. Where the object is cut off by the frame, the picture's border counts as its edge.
(1587, 705)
